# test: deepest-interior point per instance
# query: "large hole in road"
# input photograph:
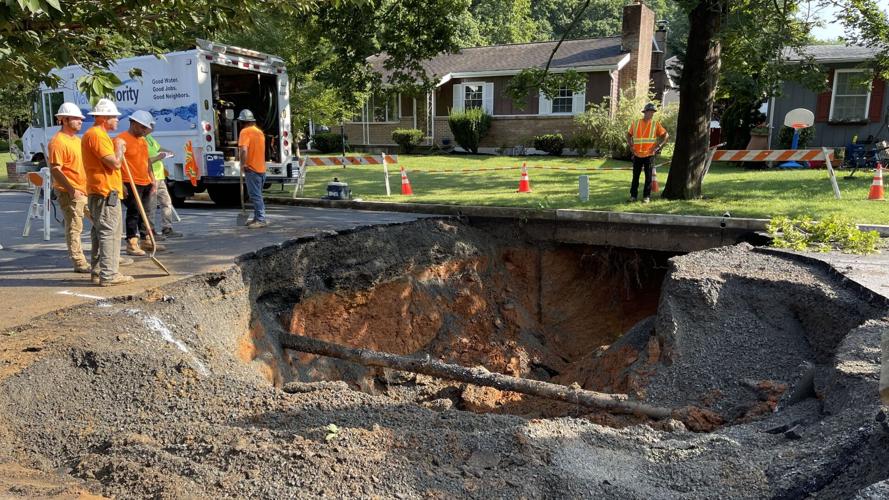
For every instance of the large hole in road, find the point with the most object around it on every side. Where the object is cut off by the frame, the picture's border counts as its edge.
(734, 336)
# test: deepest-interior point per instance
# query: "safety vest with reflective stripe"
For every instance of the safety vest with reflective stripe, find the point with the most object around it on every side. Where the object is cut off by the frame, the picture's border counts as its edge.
(644, 137)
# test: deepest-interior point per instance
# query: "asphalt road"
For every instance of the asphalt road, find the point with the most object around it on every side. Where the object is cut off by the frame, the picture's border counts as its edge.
(36, 276)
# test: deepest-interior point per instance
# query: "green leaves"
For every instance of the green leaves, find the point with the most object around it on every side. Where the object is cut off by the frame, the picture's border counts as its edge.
(98, 85)
(834, 232)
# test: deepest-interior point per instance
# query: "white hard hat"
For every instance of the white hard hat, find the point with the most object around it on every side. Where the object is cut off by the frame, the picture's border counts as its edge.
(105, 107)
(69, 109)
(143, 117)
(246, 116)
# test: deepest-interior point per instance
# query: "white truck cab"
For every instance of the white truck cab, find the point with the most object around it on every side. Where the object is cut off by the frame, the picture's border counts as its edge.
(195, 97)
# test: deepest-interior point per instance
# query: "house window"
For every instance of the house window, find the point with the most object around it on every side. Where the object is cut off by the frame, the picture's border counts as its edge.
(473, 96)
(379, 108)
(563, 102)
(851, 95)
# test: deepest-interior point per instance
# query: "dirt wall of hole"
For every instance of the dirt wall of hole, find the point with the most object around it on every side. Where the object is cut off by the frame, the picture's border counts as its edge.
(520, 310)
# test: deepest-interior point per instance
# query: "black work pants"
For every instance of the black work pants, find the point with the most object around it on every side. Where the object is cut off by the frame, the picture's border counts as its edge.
(640, 164)
(133, 220)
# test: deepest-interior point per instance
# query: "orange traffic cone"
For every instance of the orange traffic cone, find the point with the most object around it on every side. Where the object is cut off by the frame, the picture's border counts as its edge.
(876, 189)
(655, 187)
(405, 184)
(525, 182)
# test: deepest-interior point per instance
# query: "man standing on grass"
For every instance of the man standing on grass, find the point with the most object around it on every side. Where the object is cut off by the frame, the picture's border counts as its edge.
(102, 160)
(251, 145)
(646, 137)
(69, 180)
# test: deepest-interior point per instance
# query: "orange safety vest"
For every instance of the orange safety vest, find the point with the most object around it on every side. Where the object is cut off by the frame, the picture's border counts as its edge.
(644, 138)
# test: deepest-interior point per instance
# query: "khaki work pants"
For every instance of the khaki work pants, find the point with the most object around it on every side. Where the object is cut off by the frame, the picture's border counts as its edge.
(161, 199)
(73, 211)
(105, 235)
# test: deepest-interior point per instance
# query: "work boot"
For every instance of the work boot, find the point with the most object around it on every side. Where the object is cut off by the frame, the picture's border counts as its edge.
(133, 247)
(82, 267)
(125, 261)
(169, 233)
(631, 199)
(118, 279)
(95, 279)
(147, 246)
(256, 224)
(646, 200)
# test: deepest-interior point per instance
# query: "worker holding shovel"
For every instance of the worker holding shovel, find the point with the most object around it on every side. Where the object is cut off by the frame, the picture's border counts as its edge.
(102, 161)
(137, 157)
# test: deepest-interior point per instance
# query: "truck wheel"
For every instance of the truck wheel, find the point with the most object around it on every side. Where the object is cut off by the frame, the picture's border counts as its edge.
(224, 195)
(177, 201)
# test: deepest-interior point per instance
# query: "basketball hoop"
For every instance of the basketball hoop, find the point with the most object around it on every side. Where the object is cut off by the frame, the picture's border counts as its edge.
(797, 119)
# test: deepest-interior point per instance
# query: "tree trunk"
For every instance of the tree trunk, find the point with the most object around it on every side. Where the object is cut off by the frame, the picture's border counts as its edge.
(615, 403)
(697, 91)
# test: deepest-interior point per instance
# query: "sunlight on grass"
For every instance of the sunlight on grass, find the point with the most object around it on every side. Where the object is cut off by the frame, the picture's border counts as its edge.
(727, 188)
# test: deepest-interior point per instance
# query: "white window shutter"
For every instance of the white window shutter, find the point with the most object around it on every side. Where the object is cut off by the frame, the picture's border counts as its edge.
(578, 104)
(488, 98)
(458, 97)
(545, 106)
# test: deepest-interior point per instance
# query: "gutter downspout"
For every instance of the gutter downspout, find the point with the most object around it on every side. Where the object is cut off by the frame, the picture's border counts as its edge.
(771, 119)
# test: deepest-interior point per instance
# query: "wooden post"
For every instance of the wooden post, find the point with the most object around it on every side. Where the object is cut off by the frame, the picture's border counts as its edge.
(831, 173)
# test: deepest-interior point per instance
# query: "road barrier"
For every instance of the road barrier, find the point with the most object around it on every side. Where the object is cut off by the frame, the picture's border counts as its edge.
(343, 161)
(776, 155)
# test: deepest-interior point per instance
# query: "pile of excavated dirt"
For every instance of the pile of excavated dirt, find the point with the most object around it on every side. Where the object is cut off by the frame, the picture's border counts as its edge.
(178, 392)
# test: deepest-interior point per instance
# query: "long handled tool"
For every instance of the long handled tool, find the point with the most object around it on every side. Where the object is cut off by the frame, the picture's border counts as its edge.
(144, 219)
(242, 217)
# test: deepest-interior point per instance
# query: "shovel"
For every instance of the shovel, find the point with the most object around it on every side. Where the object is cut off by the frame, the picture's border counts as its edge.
(144, 219)
(242, 217)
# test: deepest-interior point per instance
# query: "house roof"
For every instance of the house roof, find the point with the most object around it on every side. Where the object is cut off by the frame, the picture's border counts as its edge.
(832, 53)
(600, 53)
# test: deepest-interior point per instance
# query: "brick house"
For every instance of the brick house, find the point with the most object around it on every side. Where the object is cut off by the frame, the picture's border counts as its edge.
(477, 77)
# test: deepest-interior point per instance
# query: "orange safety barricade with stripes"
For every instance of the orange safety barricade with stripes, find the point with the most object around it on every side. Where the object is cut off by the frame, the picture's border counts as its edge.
(329, 161)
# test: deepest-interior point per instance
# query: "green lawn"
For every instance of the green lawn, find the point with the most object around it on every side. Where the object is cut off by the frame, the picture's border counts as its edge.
(727, 188)
(4, 157)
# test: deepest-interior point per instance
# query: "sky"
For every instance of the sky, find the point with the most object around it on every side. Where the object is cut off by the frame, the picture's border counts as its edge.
(832, 28)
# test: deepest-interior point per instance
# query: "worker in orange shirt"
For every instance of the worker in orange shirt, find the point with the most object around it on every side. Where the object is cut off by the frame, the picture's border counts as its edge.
(251, 146)
(646, 137)
(137, 160)
(102, 160)
(69, 180)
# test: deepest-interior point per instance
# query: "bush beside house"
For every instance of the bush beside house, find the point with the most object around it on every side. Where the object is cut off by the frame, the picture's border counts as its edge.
(328, 142)
(469, 127)
(407, 138)
(552, 144)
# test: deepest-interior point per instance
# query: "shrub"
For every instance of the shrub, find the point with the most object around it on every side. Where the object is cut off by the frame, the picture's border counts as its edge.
(785, 137)
(609, 133)
(4, 146)
(550, 143)
(581, 143)
(469, 127)
(328, 142)
(407, 138)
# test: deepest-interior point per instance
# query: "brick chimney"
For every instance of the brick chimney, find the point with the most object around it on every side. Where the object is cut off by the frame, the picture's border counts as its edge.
(636, 37)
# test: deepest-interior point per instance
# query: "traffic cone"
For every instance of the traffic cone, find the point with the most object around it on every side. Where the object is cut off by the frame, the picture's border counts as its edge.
(405, 184)
(655, 187)
(876, 189)
(525, 182)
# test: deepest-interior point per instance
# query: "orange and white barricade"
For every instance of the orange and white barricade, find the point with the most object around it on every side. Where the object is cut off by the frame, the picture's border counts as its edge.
(329, 161)
(822, 154)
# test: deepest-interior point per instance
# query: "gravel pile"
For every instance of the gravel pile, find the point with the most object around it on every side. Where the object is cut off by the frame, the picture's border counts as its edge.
(146, 396)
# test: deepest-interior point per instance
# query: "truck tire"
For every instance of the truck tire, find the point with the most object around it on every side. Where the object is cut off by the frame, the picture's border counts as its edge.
(178, 201)
(224, 195)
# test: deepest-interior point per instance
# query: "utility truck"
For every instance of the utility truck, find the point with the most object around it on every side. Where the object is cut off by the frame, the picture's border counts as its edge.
(194, 97)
